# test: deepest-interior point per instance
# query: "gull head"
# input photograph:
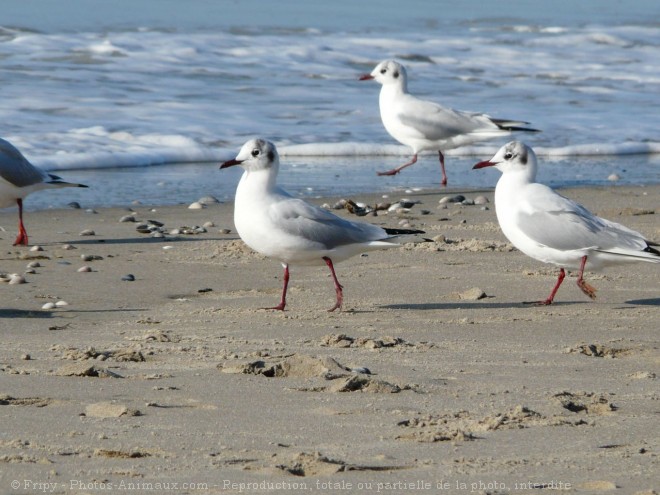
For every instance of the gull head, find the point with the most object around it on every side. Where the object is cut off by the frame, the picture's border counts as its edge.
(256, 154)
(513, 157)
(388, 72)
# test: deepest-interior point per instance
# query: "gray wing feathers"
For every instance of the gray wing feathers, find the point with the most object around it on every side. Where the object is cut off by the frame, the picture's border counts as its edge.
(299, 218)
(567, 225)
(436, 122)
(16, 169)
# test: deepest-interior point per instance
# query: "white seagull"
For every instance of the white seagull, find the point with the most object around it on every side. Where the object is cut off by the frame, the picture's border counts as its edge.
(18, 178)
(424, 125)
(553, 229)
(295, 232)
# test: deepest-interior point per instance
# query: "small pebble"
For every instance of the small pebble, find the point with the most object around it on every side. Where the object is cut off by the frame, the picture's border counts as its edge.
(26, 357)
(74, 204)
(208, 225)
(91, 211)
(34, 264)
(613, 177)
(84, 269)
(128, 278)
(452, 199)
(484, 208)
(467, 202)
(87, 232)
(36, 248)
(68, 247)
(30, 271)
(60, 304)
(48, 305)
(225, 231)
(168, 247)
(362, 370)
(481, 200)
(196, 206)
(158, 235)
(397, 207)
(425, 212)
(127, 218)
(16, 279)
(90, 257)
(408, 203)
(208, 200)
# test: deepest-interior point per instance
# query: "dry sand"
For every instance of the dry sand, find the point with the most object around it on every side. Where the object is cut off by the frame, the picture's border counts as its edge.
(177, 383)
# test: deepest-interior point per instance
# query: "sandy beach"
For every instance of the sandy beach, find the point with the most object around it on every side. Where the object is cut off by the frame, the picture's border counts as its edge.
(435, 378)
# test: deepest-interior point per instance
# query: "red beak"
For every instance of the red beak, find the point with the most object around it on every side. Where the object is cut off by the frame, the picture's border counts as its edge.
(484, 164)
(366, 77)
(231, 163)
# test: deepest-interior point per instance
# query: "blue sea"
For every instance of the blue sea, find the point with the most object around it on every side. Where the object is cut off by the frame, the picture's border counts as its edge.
(142, 99)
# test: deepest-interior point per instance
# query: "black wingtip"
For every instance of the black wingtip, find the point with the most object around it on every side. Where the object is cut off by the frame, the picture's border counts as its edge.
(649, 249)
(514, 128)
(404, 231)
(513, 125)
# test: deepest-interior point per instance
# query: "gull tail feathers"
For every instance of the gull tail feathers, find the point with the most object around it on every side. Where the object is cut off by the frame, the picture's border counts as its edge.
(649, 254)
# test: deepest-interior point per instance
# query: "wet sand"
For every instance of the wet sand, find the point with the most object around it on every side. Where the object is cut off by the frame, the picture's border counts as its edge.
(435, 378)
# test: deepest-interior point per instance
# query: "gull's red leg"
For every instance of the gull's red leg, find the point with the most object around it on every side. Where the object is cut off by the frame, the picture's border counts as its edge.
(282, 303)
(442, 167)
(338, 287)
(22, 237)
(582, 284)
(395, 171)
(551, 297)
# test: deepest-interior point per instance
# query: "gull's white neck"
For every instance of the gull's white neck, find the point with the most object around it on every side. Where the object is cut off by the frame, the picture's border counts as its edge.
(389, 92)
(509, 189)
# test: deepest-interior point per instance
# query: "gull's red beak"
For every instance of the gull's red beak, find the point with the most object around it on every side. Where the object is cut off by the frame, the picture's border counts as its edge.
(484, 164)
(366, 77)
(231, 163)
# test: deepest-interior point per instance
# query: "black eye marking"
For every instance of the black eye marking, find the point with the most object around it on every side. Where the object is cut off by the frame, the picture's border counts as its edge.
(255, 152)
(271, 156)
(383, 71)
(508, 155)
(523, 159)
(396, 74)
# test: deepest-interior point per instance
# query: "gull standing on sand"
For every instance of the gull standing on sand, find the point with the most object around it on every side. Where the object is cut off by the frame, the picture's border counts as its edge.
(425, 125)
(553, 229)
(18, 178)
(277, 225)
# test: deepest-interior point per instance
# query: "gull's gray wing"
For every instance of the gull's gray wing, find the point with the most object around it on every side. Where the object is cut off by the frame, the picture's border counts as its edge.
(16, 169)
(560, 223)
(298, 218)
(435, 122)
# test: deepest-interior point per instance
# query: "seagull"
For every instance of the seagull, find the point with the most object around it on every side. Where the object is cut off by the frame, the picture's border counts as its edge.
(425, 125)
(279, 226)
(553, 229)
(18, 178)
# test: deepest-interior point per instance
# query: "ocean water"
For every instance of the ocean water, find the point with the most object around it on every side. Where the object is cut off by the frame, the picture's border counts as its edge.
(142, 99)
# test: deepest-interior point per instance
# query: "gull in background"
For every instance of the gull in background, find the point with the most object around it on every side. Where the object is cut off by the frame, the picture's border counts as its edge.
(277, 225)
(18, 178)
(426, 126)
(553, 229)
